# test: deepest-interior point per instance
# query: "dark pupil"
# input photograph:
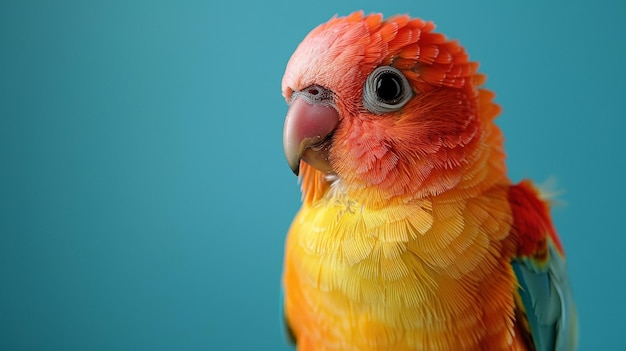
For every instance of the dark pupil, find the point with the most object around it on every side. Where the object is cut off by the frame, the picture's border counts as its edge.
(388, 87)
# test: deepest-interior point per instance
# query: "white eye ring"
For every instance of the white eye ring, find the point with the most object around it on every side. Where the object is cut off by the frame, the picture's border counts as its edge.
(386, 90)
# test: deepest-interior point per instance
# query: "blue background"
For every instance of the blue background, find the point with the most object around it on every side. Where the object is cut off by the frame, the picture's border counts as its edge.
(144, 195)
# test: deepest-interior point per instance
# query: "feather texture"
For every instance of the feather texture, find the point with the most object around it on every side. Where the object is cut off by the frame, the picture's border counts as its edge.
(416, 239)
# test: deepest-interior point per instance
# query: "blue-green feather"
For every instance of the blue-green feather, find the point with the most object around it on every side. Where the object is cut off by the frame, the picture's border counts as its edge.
(546, 295)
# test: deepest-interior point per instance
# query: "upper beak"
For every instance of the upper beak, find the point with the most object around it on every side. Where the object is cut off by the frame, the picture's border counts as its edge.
(311, 120)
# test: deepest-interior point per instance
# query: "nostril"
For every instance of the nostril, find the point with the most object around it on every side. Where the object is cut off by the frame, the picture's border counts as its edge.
(314, 93)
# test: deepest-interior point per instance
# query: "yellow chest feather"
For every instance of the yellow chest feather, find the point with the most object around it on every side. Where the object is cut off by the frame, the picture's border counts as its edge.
(426, 273)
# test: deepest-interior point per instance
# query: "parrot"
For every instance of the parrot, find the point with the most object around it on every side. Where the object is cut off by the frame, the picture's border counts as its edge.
(411, 236)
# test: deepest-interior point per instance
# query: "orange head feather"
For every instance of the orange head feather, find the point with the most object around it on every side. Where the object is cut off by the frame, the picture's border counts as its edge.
(442, 138)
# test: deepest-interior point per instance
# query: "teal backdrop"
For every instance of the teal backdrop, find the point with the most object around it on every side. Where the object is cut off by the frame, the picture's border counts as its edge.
(144, 195)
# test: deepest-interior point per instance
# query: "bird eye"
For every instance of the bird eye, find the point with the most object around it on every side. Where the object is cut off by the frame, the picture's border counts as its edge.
(386, 90)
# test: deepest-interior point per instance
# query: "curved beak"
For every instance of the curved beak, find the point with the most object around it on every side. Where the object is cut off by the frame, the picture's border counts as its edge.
(311, 120)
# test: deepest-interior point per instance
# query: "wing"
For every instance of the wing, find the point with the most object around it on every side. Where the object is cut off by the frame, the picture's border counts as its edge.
(545, 302)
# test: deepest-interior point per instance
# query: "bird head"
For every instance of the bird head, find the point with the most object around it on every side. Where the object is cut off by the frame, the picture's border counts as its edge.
(389, 108)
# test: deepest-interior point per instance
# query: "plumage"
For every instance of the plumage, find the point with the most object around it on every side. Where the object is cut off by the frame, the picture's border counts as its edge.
(410, 235)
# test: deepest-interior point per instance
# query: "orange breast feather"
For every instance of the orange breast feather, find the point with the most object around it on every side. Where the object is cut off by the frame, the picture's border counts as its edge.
(402, 277)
